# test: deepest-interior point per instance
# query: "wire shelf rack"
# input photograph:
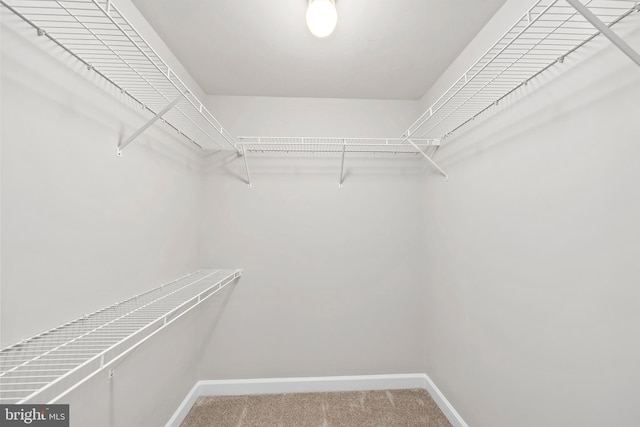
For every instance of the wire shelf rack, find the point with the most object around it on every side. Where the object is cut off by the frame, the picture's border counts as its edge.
(331, 147)
(548, 32)
(335, 147)
(101, 37)
(44, 368)
(97, 33)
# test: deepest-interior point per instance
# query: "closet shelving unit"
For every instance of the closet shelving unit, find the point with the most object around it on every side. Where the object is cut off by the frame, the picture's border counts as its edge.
(101, 37)
(97, 33)
(544, 36)
(44, 368)
(328, 146)
(333, 147)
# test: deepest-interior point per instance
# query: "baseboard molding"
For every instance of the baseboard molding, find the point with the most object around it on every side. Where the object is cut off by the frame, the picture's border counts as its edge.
(181, 413)
(315, 384)
(443, 403)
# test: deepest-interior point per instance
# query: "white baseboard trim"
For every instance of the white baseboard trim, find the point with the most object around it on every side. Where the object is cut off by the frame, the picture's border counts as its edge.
(181, 413)
(315, 384)
(443, 403)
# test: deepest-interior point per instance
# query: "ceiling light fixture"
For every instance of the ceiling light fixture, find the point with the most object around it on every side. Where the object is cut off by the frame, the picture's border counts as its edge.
(322, 17)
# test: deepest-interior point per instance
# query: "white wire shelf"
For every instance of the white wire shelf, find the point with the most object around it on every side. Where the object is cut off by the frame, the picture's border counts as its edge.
(101, 37)
(325, 147)
(336, 147)
(97, 34)
(548, 32)
(44, 368)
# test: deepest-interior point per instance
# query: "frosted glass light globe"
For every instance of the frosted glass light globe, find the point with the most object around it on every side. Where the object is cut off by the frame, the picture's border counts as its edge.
(322, 17)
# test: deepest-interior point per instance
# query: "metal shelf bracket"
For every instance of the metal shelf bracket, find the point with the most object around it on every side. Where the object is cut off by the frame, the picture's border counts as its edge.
(431, 162)
(246, 166)
(155, 118)
(605, 30)
(344, 149)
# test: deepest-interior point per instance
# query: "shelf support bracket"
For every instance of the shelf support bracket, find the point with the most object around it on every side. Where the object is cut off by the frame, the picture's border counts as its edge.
(344, 149)
(147, 125)
(438, 168)
(246, 165)
(605, 30)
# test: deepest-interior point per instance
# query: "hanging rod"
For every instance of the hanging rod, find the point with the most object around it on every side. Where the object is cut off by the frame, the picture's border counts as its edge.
(100, 36)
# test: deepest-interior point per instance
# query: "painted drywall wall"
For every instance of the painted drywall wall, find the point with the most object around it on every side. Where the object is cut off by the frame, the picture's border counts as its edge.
(267, 116)
(82, 228)
(333, 278)
(532, 247)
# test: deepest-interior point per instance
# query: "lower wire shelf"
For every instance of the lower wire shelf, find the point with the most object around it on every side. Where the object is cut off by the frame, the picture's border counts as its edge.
(44, 368)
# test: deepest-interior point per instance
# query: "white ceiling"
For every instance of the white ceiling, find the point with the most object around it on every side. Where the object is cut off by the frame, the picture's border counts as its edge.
(393, 49)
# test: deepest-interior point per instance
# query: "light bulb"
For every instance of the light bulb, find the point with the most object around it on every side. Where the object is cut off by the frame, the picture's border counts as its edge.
(322, 17)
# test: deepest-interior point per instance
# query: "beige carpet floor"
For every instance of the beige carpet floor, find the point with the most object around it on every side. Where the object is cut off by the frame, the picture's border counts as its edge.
(386, 408)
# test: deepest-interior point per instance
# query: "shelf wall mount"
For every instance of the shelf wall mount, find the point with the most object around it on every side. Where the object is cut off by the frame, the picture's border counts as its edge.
(144, 127)
(606, 31)
(246, 167)
(344, 150)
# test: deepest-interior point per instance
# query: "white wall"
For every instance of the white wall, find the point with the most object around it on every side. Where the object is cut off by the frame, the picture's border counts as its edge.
(332, 280)
(267, 116)
(532, 245)
(332, 277)
(81, 228)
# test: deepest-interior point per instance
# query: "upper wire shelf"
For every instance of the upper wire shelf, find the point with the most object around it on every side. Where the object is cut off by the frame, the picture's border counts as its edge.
(329, 146)
(44, 368)
(96, 32)
(548, 32)
(101, 37)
